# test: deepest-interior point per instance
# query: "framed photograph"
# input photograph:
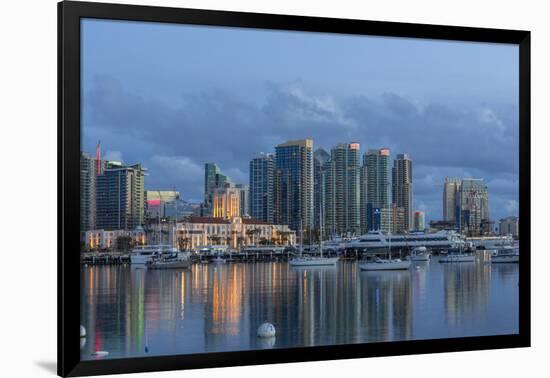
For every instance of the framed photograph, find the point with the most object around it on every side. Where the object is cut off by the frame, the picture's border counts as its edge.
(240, 188)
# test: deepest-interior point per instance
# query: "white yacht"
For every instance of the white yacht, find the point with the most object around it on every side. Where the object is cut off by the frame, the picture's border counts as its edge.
(313, 260)
(420, 254)
(143, 254)
(385, 264)
(457, 255)
(377, 240)
(178, 260)
(506, 254)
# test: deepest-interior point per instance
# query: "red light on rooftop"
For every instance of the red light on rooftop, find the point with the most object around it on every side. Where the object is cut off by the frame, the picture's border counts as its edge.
(385, 151)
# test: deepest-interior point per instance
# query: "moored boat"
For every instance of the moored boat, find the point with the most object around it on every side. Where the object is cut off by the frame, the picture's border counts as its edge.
(179, 260)
(143, 254)
(506, 254)
(385, 264)
(455, 255)
(420, 254)
(313, 261)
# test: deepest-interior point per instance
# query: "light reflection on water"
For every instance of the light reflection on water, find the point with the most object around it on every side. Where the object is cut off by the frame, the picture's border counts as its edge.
(208, 308)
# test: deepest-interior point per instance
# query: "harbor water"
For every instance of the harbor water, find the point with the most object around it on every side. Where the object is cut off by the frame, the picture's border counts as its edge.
(133, 312)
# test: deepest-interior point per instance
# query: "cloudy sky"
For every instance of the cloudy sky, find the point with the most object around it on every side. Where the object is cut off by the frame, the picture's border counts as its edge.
(173, 97)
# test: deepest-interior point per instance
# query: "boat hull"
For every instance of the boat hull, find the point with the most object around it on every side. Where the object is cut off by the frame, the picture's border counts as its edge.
(420, 258)
(170, 265)
(394, 265)
(505, 259)
(140, 259)
(455, 259)
(314, 261)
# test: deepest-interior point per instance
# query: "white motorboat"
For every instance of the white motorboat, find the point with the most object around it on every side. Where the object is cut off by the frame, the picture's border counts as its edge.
(218, 260)
(420, 254)
(179, 260)
(385, 264)
(506, 254)
(146, 253)
(455, 255)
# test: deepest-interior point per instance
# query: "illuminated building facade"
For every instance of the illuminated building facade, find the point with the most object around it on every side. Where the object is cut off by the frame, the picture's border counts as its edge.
(196, 232)
(100, 240)
(226, 202)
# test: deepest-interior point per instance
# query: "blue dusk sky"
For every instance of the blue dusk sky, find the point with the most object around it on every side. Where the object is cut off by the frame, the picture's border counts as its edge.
(173, 97)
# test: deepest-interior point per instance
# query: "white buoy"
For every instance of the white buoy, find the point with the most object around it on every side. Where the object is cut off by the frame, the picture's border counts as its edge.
(100, 353)
(82, 331)
(266, 330)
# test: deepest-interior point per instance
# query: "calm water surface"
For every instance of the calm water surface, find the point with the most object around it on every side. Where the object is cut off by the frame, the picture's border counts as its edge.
(133, 312)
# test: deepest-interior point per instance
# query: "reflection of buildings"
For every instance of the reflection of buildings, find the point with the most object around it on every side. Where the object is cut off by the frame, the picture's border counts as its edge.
(466, 291)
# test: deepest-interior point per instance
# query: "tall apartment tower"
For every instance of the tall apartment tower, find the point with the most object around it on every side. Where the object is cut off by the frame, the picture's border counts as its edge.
(121, 197)
(377, 185)
(320, 159)
(262, 187)
(342, 190)
(451, 188)
(402, 188)
(294, 184)
(89, 170)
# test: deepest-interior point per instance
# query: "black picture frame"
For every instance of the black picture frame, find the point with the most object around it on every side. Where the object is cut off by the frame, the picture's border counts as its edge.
(69, 15)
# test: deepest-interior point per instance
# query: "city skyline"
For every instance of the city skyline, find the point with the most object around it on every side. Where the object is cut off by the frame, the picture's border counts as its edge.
(454, 111)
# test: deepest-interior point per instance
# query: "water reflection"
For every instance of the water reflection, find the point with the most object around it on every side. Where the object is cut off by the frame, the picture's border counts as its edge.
(136, 312)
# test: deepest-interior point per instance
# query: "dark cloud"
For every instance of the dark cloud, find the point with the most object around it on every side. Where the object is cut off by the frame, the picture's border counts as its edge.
(175, 141)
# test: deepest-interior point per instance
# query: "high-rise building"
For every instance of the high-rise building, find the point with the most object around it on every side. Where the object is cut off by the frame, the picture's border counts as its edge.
(342, 190)
(402, 187)
(398, 219)
(262, 187)
(244, 199)
(451, 188)
(473, 207)
(377, 183)
(88, 183)
(121, 197)
(363, 189)
(226, 202)
(509, 226)
(419, 220)
(213, 178)
(294, 184)
(320, 159)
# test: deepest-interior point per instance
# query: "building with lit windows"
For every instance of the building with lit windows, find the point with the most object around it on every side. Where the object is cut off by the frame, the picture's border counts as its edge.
(226, 202)
(105, 240)
(402, 188)
(197, 232)
(377, 183)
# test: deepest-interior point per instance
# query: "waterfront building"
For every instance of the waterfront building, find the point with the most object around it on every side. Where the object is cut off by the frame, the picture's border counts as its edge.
(196, 232)
(387, 220)
(509, 226)
(294, 184)
(473, 207)
(320, 159)
(262, 187)
(121, 197)
(377, 183)
(160, 202)
(402, 188)
(226, 202)
(106, 240)
(90, 168)
(451, 188)
(419, 220)
(342, 190)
